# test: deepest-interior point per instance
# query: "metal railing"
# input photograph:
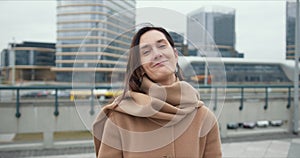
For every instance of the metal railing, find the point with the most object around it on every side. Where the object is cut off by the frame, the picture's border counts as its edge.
(56, 89)
(237, 107)
(214, 88)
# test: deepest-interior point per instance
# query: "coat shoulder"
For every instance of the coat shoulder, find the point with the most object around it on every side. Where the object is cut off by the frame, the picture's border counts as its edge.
(208, 120)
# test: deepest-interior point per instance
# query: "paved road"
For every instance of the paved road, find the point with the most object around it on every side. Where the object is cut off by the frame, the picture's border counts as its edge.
(268, 148)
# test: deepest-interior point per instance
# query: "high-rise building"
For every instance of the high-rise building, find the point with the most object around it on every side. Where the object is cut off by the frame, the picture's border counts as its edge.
(91, 37)
(28, 61)
(212, 27)
(179, 42)
(290, 29)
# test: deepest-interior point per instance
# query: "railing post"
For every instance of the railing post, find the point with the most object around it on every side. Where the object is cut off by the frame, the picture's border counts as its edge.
(92, 102)
(242, 99)
(56, 112)
(266, 98)
(216, 99)
(289, 98)
(18, 114)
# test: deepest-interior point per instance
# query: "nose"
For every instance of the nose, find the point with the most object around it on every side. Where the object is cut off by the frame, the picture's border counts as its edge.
(156, 54)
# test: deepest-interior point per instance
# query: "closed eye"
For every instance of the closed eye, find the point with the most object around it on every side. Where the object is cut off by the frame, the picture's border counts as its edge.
(162, 46)
(145, 52)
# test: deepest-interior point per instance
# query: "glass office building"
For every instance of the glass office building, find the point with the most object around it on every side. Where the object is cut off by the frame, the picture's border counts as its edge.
(91, 37)
(179, 42)
(32, 61)
(238, 70)
(249, 72)
(213, 25)
(290, 29)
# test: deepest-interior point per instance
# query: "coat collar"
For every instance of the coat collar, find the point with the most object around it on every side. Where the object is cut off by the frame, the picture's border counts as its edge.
(162, 104)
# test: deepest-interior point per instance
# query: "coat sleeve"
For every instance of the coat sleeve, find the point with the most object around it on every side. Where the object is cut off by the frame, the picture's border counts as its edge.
(107, 151)
(212, 143)
(110, 143)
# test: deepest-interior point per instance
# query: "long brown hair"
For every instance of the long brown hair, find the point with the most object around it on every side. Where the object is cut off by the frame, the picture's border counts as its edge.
(135, 72)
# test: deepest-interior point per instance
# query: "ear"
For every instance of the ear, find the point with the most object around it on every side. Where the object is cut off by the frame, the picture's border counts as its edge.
(176, 53)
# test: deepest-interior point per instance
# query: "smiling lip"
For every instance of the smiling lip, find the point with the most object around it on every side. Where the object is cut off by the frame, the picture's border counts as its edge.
(158, 64)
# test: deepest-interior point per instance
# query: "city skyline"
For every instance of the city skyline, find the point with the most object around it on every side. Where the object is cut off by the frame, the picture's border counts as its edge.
(266, 39)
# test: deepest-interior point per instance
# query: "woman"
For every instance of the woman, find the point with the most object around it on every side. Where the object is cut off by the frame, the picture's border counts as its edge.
(158, 115)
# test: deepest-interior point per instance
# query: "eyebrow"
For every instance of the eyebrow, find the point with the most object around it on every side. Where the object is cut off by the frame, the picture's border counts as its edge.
(145, 46)
(148, 45)
(161, 40)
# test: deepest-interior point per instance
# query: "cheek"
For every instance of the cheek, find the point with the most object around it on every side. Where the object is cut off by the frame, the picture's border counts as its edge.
(145, 60)
(146, 67)
(172, 61)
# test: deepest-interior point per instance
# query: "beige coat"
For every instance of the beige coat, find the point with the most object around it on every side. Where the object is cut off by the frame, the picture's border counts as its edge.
(165, 122)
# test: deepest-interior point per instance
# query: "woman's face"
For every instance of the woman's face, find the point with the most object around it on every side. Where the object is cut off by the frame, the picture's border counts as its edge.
(158, 57)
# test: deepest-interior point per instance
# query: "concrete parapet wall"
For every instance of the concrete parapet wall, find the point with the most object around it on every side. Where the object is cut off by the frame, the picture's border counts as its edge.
(39, 116)
(253, 111)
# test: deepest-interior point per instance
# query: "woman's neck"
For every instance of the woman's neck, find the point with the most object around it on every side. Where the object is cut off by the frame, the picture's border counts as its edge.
(168, 80)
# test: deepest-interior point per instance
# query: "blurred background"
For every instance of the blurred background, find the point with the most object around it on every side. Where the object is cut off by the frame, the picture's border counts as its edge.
(58, 62)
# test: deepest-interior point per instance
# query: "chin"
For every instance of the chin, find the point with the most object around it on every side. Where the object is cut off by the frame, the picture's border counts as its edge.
(158, 76)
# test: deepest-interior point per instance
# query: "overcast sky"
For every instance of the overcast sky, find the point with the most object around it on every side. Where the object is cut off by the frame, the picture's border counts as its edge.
(260, 25)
